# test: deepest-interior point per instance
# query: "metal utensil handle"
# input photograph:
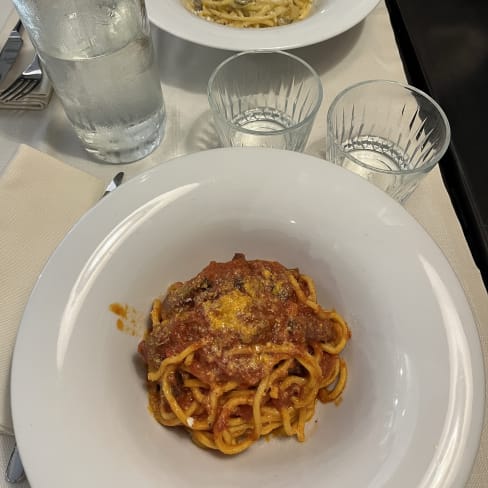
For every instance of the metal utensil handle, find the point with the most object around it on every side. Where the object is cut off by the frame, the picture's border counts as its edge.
(15, 469)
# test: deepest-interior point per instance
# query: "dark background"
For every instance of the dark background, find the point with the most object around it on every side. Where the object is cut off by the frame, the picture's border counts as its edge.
(444, 48)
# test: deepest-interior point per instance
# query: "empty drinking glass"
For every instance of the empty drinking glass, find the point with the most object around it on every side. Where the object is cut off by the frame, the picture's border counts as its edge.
(264, 98)
(389, 133)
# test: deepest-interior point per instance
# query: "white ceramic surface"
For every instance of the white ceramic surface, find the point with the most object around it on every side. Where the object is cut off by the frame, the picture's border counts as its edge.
(327, 19)
(412, 410)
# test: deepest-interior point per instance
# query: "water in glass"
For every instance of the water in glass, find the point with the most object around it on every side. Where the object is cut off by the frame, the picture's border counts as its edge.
(100, 59)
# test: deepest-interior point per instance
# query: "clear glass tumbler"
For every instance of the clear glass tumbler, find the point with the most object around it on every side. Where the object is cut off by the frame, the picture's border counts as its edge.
(389, 133)
(99, 57)
(264, 98)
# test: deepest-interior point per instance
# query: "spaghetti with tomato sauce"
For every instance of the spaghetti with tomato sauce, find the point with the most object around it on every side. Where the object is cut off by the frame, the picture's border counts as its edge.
(242, 350)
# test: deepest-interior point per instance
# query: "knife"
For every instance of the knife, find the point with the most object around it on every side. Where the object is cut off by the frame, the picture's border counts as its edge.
(15, 470)
(116, 181)
(11, 50)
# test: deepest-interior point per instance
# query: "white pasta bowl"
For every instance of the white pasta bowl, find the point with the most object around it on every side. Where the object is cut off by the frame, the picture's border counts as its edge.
(412, 410)
(327, 19)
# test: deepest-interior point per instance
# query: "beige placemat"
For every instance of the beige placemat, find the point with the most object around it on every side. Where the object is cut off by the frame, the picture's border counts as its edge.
(40, 199)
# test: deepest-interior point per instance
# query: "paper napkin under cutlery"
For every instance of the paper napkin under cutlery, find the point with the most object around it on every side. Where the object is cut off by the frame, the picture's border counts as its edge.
(38, 98)
(40, 199)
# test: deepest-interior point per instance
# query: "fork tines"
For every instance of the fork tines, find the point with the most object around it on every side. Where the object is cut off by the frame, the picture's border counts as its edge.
(25, 83)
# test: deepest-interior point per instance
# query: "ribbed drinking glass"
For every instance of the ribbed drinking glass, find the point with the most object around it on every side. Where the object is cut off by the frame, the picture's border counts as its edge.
(264, 98)
(389, 133)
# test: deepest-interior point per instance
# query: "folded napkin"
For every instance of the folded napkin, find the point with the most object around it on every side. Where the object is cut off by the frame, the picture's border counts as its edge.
(38, 98)
(40, 199)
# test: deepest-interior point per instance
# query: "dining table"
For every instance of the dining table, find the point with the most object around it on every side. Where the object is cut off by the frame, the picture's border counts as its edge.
(366, 51)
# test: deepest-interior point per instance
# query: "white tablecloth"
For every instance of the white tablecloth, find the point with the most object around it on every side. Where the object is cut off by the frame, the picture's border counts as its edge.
(366, 51)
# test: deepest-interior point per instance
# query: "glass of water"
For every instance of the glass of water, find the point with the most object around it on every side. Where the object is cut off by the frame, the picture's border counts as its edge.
(389, 133)
(264, 98)
(99, 57)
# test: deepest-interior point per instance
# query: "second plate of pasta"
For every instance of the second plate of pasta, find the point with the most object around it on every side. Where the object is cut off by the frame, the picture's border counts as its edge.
(257, 24)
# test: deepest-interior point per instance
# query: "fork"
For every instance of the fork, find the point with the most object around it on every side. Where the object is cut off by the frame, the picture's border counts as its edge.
(25, 83)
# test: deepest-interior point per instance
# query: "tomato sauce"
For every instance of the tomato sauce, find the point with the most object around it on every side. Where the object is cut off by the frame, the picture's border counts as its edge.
(235, 309)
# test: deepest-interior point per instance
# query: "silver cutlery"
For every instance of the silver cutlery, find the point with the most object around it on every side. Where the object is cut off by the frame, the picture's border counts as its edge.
(116, 181)
(10, 50)
(25, 83)
(15, 469)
